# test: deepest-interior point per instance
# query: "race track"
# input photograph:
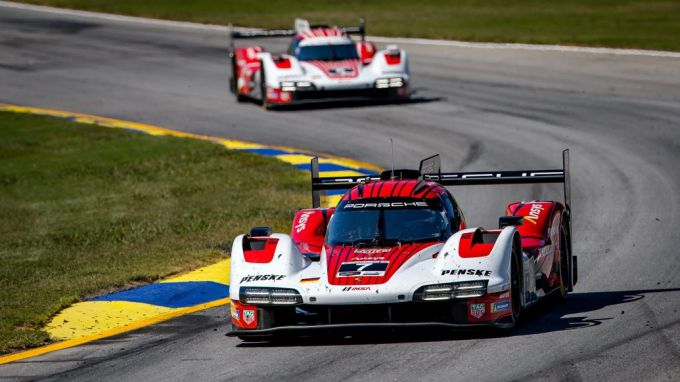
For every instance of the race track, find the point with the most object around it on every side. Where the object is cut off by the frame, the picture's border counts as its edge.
(480, 109)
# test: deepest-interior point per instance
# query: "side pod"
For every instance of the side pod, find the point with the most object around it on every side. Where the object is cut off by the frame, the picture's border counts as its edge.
(479, 254)
(274, 257)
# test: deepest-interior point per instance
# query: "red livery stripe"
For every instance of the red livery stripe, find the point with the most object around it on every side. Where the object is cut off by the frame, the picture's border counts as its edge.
(395, 189)
(338, 69)
(395, 257)
(468, 248)
(264, 255)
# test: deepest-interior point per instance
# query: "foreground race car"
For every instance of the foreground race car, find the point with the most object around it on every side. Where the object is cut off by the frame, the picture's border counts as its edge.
(323, 63)
(396, 252)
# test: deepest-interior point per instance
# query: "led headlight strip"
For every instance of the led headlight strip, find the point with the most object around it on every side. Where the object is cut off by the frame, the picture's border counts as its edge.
(291, 86)
(394, 82)
(442, 292)
(269, 296)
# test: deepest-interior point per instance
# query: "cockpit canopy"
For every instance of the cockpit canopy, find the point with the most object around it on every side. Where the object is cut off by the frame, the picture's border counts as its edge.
(376, 222)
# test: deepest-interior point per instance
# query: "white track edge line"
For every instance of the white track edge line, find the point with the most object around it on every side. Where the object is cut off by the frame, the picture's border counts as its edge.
(401, 40)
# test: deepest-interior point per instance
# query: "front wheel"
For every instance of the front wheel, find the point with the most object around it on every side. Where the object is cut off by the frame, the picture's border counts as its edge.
(516, 285)
(263, 88)
(233, 82)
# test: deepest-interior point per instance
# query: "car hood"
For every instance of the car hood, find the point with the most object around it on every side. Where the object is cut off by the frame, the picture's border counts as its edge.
(333, 69)
(350, 265)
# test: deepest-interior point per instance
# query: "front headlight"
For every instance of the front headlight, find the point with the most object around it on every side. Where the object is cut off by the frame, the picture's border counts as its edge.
(288, 86)
(269, 296)
(394, 82)
(442, 292)
(291, 86)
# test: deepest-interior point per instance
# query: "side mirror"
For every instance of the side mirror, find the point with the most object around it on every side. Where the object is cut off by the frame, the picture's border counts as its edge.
(260, 231)
(506, 221)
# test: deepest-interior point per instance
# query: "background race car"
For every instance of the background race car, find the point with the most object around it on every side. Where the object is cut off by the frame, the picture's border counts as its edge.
(396, 252)
(322, 63)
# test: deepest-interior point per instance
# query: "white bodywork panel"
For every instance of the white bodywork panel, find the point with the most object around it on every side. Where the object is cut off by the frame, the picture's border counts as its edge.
(421, 269)
(305, 71)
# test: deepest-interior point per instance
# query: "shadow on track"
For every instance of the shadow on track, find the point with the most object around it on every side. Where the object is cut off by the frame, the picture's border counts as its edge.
(551, 317)
(548, 316)
(323, 104)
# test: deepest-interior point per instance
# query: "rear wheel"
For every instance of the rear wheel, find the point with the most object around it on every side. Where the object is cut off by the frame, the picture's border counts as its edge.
(564, 265)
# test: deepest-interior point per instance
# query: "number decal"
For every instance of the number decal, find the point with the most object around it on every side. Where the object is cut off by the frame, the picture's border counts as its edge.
(363, 268)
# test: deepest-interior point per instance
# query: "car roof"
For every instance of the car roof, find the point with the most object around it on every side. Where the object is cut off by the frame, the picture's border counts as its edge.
(398, 189)
(322, 36)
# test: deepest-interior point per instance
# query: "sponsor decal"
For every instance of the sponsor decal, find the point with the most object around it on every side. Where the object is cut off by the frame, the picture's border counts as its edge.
(302, 222)
(477, 310)
(466, 272)
(371, 251)
(356, 288)
(367, 258)
(502, 306)
(310, 280)
(534, 213)
(235, 313)
(342, 71)
(370, 254)
(249, 278)
(248, 316)
(272, 93)
(363, 268)
(384, 205)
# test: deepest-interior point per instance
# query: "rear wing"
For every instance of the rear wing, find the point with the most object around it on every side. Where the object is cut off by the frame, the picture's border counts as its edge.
(430, 170)
(300, 26)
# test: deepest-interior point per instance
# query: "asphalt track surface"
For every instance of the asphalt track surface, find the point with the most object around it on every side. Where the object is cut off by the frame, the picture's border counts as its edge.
(480, 109)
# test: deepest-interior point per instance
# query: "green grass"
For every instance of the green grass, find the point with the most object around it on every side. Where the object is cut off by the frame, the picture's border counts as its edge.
(85, 209)
(649, 24)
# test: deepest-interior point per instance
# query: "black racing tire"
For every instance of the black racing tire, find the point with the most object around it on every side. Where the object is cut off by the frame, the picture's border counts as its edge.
(564, 272)
(263, 88)
(516, 278)
(233, 81)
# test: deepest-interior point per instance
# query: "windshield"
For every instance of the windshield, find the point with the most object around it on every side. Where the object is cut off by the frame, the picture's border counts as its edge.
(327, 52)
(379, 226)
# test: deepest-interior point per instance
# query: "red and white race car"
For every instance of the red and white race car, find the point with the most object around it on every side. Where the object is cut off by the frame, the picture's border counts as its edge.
(322, 63)
(396, 252)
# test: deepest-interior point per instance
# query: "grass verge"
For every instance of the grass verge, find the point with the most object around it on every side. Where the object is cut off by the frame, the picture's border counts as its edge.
(86, 209)
(647, 24)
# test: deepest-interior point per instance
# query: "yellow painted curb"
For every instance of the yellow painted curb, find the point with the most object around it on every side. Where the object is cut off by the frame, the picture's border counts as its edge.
(87, 318)
(108, 333)
(218, 272)
(155, 130)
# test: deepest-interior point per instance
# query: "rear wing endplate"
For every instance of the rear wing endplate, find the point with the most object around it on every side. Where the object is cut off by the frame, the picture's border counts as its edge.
(430, 171)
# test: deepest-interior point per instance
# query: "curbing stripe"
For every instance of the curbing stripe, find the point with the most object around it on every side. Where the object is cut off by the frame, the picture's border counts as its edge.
(108, 333)
(231, 144)
(172, 295)
(113, 307)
